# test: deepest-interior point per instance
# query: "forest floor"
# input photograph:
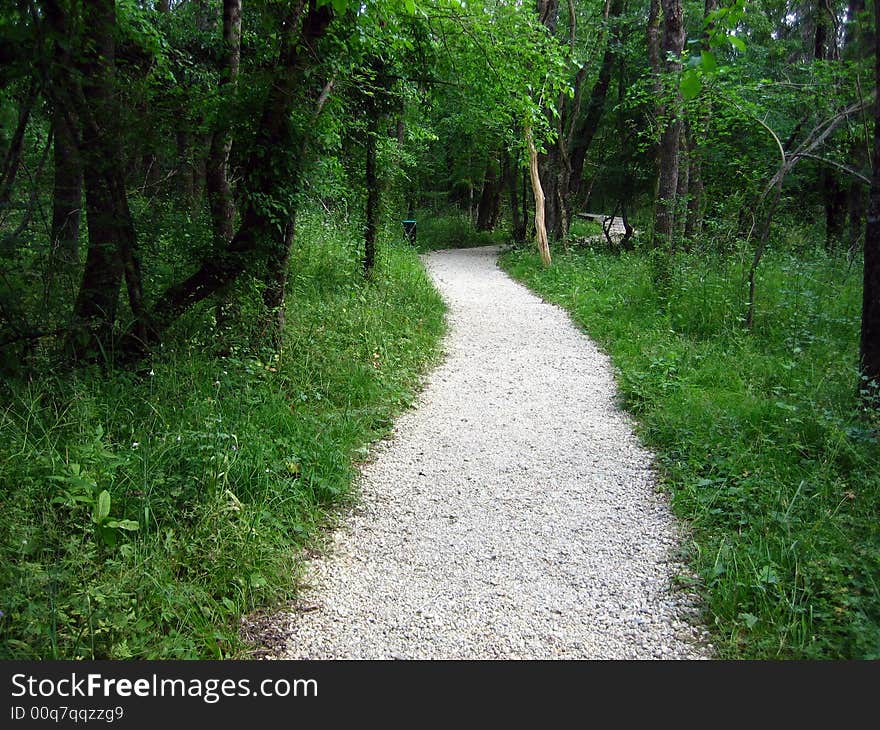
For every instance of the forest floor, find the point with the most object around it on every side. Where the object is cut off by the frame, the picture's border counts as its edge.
(513, 514)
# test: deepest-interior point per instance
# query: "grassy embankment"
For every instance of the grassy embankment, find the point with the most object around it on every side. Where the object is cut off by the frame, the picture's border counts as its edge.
(143, 515)
(759, 436)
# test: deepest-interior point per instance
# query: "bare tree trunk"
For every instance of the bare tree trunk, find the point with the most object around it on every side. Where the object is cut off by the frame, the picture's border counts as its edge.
(540, 226)
(835, 208)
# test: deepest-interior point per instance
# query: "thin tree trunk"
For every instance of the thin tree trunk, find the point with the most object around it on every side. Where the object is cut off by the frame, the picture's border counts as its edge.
(12, 158)
(511, 176)
(695, 206)
(372, 213)
(537, 190)
(490, 200)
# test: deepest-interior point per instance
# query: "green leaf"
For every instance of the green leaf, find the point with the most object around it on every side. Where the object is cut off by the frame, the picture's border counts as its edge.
(707, 60)
(737, 43)
(102, 508)
(129, 525)
(690, 85)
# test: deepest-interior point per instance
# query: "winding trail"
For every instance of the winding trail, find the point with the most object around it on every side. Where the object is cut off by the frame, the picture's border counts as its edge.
(514, 513)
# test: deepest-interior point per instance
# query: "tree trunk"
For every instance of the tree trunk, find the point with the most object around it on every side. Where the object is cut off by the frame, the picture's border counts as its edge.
(112, 246)
(585, 130)
(537, 190)
(696, 138)
(372, 213)
(668, 158)
(12, 158)
(682, 190)
(276, 286)
(869, 351)
(511, 177)
(268, 168)
(490, 198)
(66, 194)
(835, 208)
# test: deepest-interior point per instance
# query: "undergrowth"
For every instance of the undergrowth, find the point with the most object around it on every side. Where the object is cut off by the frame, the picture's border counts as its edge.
(452, 230)
(760, 437)
(144, 514)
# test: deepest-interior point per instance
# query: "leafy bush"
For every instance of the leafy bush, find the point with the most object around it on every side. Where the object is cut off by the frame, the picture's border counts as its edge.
(452, 230)
(143, 515)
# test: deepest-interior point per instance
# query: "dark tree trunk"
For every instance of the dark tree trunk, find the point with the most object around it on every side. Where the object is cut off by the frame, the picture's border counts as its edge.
(856, 214)
(220, 199)
(512, 176)
(268, 167)
(835, 208)
(586, 128)
(682, 190)
(548, 14)
(66, 194)
(490, 198)
(870, 331)
(372, 182)
(185, 170)
(668, 158)
(112, 247)
(276, 286)
(12, 158)
(855, 47)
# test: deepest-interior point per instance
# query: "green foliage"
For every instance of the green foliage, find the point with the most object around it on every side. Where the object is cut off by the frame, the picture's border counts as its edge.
(582, 228)
(143, 515)
(759, 438)
(452, 230)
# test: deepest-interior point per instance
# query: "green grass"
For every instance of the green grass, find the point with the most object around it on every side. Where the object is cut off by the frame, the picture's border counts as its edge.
(452, 230)
(583, 228)
(759, 437)
(219, 471)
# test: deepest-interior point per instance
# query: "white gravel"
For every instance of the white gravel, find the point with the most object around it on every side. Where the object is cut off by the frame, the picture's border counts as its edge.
(513, 514)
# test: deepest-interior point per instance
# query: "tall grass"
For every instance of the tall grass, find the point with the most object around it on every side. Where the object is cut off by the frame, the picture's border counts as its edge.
(452, 230)
(759, 436)
(144, 514)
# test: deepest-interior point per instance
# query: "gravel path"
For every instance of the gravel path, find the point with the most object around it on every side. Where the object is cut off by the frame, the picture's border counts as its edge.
(513, 514)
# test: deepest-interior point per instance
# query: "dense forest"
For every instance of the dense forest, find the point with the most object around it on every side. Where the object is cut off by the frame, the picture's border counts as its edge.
(209, 305)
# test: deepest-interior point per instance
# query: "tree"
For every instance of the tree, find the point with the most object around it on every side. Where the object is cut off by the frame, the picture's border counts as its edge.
(869, 352)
